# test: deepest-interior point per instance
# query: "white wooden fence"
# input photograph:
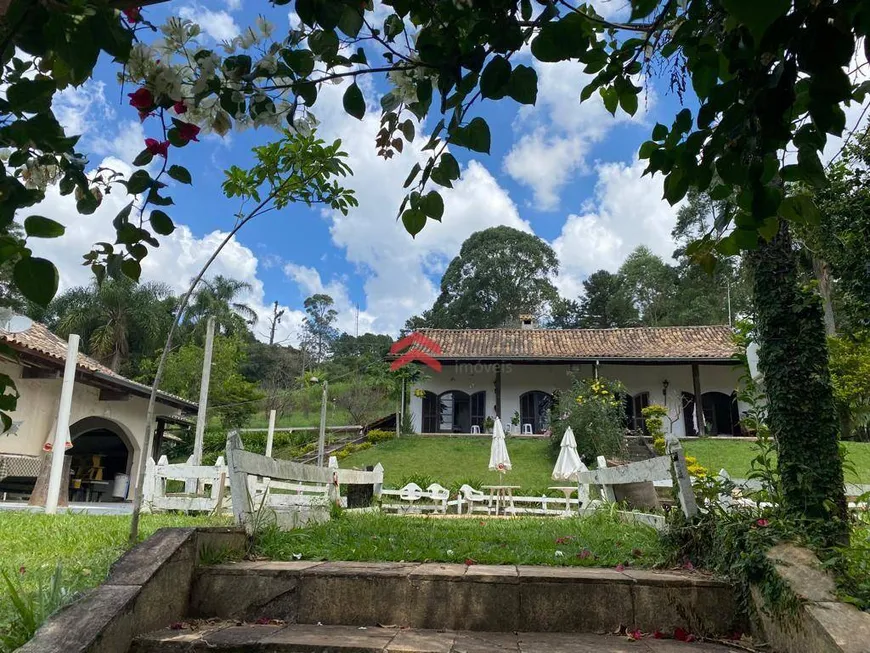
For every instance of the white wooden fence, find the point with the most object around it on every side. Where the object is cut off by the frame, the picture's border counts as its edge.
(207, 484)
(292, 493)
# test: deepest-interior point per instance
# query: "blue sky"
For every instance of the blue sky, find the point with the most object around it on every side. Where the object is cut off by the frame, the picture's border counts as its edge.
(566, 171)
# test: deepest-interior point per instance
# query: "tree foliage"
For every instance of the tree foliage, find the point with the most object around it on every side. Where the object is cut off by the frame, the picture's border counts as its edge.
(607, 302)
(318, 327)
(499, 274)
(219, 298)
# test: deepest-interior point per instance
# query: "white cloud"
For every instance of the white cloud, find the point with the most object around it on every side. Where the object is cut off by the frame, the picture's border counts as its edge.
(175, 263)
(395, 267)
(82, 109)
(309, 282)
(219, 25)
(556, 135)
(233, 5)
(627, 211)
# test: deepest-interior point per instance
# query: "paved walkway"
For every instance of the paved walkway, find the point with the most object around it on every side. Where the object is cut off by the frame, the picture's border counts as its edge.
(91, 508)
(278, 638)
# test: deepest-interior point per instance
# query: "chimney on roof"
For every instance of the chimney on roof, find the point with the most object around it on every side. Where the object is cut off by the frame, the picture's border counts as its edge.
(527, 321)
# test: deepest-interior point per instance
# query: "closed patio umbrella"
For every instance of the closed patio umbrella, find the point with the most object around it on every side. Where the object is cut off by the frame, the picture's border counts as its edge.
(499, 460)
(568, 463)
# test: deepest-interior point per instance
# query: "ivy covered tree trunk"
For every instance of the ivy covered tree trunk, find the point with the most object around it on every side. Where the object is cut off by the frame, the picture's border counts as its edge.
(793, 357)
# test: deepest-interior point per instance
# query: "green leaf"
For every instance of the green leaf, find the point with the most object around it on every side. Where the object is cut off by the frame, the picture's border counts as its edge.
(720, 192)
(40, 227)
(161, 223)
(628, 102)
(407, 128)
(30, 95)
(412, 175)
(523, 85)
(495, 78)
(36, 278)
(659, 132)
(351, 21)
(526, 9)
(432, 205)
(414, 221)
(474, 136)
(139, 182)
(611, 99)
(143, 158)
(676, 187)
(131, 269)
(757, 15)
(353, 101)
(800, 209)
(646, 149)
(179, 173)
(301, 62)
(88, 203)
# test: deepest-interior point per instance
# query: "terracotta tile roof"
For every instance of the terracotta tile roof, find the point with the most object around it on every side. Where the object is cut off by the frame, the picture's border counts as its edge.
(641, 343)
(39, 340)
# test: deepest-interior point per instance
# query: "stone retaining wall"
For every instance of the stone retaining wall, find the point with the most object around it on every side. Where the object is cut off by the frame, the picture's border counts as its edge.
(502, 598)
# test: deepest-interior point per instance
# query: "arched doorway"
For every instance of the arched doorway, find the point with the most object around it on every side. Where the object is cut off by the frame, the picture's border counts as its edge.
(721, 415)
(102, 449)
(535, 410)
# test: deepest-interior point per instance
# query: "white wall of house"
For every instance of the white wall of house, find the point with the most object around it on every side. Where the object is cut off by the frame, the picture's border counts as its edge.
(518, 379)
(37, 411)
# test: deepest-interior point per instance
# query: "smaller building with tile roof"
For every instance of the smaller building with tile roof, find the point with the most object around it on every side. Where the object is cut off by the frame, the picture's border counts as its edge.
(514, 373)
(107, 421)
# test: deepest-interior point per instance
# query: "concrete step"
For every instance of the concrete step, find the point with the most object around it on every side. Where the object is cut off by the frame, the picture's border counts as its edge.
(233, 637)
(504, 598)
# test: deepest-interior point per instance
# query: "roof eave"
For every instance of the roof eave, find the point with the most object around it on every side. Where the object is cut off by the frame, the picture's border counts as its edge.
(682, 360)
(142, 390)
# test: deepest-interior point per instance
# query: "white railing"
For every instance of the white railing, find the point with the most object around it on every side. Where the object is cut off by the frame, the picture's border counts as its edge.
(295, 493)
(204, 486)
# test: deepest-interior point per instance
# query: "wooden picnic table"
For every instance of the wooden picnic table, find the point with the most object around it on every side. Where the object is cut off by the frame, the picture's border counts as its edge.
(501, 494)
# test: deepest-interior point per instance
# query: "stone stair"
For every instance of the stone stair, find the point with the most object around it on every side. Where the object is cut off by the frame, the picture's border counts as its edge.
(276, 637)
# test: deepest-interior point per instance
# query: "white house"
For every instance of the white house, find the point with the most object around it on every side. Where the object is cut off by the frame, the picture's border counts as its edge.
(107, 423)
(503, 372)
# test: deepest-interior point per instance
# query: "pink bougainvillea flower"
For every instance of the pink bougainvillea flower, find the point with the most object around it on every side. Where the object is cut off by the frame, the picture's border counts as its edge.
(585, 553)
(470, 561)
(22, 570)
(659, 635)
(133, 14)
(688, 566)
(180, 107)
(188, 132)
(564, 540)
(763, 523)
(620, 567)
(156, 147)
(635, 635)
(682, 635)
(141, 99)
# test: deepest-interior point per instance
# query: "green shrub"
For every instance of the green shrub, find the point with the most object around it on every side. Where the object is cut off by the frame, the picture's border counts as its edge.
(352, 448)
(593, 409)
(423, 480)
(375, 436)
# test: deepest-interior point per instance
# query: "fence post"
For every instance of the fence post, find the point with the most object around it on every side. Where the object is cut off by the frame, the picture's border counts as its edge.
(238, 483)
(606, 490)
(583, 498)
(148, 484)
(334, 490)
(682, 478)
(379, 483)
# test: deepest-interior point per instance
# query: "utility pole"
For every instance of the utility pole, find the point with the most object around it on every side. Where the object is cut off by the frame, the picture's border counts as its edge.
(356, 333)
(203, 393)
(61, 433)
(321, 440)
(274, 321)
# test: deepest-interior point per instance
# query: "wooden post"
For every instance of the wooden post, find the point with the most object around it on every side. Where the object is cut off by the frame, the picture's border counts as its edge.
(203, 393)
(56, 482)
(379, 486)
(682, 479)
(270, 435)
(583, 490)
(606, 490)
(158, 438)
(498, 391)
(321, 439)
(699, 410)
(401, 415)
(238, 483)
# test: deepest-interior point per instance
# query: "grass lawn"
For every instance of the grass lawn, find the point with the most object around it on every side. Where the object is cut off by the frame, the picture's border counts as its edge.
(735, 456)
(454, 461)
(32, 545)
(597, 541)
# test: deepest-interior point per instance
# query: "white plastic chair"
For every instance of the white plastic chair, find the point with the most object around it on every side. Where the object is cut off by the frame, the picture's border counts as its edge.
(475, 429)
(439, 493)
(472, 496)
(411, 492)
(527, 429)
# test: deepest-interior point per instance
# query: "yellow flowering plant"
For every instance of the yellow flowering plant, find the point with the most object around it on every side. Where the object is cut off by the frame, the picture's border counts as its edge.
(594, 410)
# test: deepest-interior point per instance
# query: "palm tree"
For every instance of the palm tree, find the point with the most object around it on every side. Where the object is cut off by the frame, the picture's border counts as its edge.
(114, 318)
(217, 298)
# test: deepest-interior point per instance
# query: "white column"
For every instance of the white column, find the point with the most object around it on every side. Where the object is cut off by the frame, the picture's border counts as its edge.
(321, 440)
(55, 482)
(270, 435)
(203, 393)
